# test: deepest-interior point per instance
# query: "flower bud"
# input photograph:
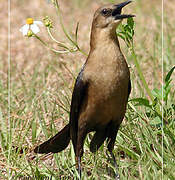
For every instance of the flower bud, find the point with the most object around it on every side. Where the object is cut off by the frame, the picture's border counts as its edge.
(29, 33)
(47, 22)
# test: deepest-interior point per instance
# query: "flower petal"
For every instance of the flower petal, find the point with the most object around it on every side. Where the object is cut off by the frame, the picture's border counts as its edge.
(24, 29)
(34, 28)
(38, 22)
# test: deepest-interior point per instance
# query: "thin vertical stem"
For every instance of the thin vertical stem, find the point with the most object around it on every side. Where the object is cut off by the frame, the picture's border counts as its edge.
(162, 44)
(9, 91)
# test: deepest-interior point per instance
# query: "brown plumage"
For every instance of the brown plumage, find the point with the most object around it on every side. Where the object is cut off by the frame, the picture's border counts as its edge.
(101, 90)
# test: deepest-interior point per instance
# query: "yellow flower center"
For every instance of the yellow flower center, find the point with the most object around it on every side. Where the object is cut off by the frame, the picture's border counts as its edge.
(29, 21)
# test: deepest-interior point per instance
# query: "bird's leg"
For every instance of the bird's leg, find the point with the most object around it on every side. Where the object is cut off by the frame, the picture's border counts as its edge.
(78, 159)
(79, 148)
(112, 133)
(79, 166)
(111, 156)
(117, 176)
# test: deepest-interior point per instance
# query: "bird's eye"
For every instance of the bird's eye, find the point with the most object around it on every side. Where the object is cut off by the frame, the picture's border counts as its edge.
(104, 11)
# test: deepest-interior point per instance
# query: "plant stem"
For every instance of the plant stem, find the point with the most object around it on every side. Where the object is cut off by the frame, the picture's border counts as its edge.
(141, 74)
(52, 49)
(64, 30)
(59, 43)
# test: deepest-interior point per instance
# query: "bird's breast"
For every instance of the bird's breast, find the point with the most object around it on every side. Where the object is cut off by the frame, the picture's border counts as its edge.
(108, 76)
(107, 92)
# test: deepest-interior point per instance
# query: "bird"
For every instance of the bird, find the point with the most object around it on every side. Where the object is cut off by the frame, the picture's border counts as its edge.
(101, 90)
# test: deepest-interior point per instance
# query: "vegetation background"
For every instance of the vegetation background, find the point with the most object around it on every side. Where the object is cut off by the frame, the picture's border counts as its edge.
(41, 84)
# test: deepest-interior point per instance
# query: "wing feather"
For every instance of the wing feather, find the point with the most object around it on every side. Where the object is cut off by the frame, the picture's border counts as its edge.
(78, 96)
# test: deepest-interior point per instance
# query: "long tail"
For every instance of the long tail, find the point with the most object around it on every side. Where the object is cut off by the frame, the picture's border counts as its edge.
(55, 144)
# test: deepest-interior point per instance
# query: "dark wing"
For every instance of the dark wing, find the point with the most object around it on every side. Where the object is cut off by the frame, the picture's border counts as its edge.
(129, 88)
(78, 96)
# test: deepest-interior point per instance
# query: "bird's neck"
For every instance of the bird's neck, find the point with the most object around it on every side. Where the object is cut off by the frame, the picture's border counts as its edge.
(102, 38)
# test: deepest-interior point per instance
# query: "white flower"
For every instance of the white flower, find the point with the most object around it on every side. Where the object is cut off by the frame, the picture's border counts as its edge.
(30, 26)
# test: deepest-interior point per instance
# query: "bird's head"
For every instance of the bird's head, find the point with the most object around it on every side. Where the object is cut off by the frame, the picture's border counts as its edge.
(108, 17)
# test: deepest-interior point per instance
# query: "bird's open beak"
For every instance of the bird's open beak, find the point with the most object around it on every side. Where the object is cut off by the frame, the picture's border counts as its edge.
(116, 13)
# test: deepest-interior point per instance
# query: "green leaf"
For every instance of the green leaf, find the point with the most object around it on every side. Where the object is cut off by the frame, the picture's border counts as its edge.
(141, 101)
(156, 121)
(157, 93)
(167, 84)
(169, 74)
(121, 36)
(76, 32)
(34, 130)
(126, 32)
(130, 22)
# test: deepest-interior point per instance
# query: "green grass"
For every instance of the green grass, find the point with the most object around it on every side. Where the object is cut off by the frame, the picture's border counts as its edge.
(40, 101)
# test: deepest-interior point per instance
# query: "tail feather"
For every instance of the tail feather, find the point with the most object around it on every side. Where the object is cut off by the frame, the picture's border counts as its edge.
(55, 144)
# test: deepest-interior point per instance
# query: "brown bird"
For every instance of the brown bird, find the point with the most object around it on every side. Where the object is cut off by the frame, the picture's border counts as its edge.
(101, 90)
